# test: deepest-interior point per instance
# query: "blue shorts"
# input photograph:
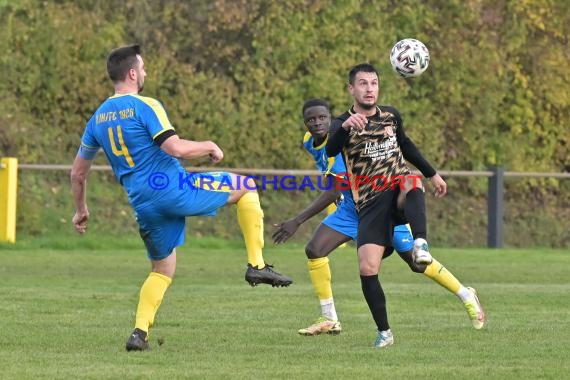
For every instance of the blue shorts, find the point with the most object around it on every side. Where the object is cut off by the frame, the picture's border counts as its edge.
(403, 240)
(344, 220)
(162, 225)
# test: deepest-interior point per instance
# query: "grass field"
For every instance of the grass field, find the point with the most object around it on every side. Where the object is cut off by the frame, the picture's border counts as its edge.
(67, 307)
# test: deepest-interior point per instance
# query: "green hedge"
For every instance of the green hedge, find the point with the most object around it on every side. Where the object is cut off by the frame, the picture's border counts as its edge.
(238, 71)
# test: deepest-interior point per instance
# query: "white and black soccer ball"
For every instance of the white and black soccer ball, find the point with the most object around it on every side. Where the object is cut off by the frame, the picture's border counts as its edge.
(409, 57)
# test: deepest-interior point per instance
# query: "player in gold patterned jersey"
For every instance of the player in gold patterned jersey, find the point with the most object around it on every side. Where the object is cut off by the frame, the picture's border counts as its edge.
(375, 149)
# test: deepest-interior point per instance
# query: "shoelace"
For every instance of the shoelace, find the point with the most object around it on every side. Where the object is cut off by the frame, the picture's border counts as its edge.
(381, 338)
(269, 268)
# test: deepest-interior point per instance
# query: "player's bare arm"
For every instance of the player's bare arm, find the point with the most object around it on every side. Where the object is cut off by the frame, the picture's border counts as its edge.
(285, 230)
(187, 149)
(79, 172)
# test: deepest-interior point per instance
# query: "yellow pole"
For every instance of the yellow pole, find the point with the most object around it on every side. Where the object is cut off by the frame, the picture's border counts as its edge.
(8, 194)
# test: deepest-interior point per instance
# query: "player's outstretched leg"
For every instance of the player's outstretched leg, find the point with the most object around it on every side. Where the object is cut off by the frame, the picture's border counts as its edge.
(266, 275)
(437, 272)
(250, 220)
(475, 310)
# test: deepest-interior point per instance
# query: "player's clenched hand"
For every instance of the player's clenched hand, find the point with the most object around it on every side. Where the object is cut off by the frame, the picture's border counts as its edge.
(216, 155)
(285, 230)
(356, 121)
(439, 184)
(80, 221)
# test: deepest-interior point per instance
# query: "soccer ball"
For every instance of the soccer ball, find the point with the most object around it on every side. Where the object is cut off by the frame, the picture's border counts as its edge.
(409, 58)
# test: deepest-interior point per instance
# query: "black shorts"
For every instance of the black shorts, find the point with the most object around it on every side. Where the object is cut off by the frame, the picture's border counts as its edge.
(376, 220)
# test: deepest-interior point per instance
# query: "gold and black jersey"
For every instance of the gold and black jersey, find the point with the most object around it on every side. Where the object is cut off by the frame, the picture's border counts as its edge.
(375, 155)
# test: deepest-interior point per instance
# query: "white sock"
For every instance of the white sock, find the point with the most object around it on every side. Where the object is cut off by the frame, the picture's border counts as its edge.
(328, 310)
(464, 294)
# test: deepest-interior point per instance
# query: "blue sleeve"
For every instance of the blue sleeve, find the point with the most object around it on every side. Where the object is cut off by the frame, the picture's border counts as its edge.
(89, 144)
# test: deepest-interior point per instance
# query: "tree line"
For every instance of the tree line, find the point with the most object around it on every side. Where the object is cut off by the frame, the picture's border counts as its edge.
(237, 72)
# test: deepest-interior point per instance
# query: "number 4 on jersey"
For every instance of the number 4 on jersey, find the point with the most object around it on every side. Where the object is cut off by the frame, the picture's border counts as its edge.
(123, 151)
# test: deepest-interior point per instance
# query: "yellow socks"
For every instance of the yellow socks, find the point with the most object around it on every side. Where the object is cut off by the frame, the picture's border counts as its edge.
(152, 292)
(437, 272)
(250, 220)
(320, 273)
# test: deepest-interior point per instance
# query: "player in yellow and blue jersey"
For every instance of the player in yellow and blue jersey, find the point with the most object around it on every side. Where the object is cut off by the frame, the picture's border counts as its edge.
(143, 149)
(342, 226)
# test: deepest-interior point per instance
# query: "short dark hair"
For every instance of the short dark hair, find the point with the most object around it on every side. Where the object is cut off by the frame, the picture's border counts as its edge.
(362, 67)
(121, 60)
(314, 103)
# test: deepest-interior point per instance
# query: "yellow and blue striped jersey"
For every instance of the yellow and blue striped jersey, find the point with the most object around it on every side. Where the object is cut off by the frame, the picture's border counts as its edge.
(125, 127)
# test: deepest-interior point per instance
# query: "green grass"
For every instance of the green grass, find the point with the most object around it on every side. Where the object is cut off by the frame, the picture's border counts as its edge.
(67, 310)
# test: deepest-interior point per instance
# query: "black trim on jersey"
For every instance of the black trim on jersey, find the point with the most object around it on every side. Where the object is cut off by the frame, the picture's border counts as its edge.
(163, 136)
(409, 149)
(337, 135)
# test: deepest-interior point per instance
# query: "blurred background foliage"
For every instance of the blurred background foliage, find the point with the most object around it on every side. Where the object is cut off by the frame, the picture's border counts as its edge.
(497, 93)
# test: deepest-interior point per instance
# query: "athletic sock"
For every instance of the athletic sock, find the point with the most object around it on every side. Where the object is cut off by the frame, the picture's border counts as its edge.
(250, 220)
(437, 272)
(328, 309)
(376, 300)
(151, 294)
(320, 274)
(415, 213)
(464, 294)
